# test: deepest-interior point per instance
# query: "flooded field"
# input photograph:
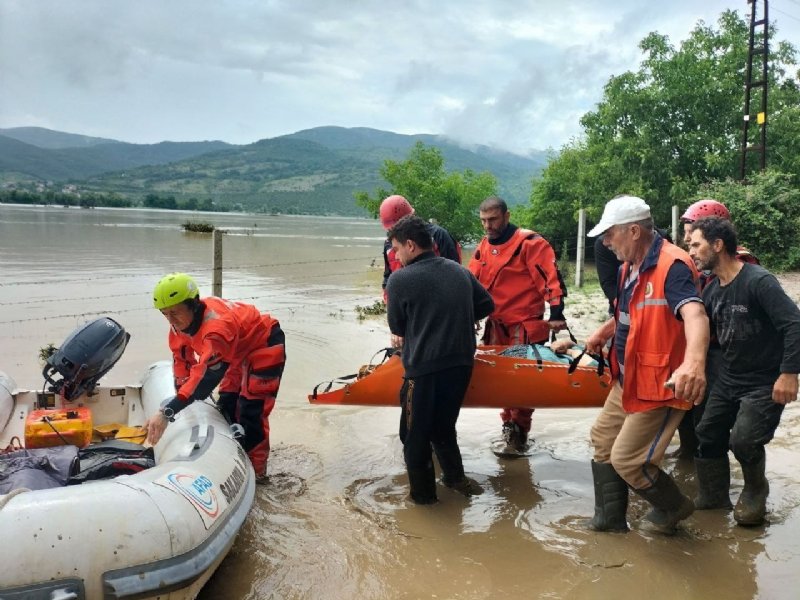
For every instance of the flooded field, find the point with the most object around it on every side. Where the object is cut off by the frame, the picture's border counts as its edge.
(333, 523)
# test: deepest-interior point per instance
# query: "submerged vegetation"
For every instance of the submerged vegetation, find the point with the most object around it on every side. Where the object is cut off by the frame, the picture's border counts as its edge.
(198, 227)
(377, 309)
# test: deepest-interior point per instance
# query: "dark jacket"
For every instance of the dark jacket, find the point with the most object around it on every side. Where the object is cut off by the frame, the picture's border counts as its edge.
(434, 304)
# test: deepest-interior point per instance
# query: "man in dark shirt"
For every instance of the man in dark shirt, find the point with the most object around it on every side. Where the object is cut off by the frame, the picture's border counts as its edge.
(433, 304)
(392, 209)
(758, 329)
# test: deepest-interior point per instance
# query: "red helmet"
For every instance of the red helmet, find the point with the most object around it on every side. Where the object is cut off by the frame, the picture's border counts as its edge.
(392, 209)
(705, 208)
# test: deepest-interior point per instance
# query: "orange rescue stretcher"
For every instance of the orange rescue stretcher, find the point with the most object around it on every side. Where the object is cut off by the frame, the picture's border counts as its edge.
(497, 382)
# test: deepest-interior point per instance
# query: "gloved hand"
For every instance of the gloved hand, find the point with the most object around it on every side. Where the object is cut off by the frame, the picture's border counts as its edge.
(226, 404)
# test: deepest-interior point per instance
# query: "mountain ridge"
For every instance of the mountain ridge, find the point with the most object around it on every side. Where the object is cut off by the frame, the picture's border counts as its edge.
(312, 171)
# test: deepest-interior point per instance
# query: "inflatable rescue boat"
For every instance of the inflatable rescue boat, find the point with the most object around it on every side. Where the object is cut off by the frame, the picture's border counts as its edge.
(158, 530)
(501, 378)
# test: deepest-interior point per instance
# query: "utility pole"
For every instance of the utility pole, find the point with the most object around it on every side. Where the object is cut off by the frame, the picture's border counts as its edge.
(759, 84)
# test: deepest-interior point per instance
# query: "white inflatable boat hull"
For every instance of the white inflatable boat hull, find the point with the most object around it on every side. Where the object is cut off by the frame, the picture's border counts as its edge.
(157, 534)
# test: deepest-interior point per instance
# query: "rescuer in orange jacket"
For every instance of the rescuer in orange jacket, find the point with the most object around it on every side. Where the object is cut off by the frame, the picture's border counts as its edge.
(232, 345)
(660, 332)
(518, 268)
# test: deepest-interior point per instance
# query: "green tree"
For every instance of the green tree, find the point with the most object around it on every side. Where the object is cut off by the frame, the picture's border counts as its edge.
(451, 199)
(672, 125)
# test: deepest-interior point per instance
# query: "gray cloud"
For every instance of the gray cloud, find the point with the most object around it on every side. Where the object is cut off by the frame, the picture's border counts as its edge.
(515, 74)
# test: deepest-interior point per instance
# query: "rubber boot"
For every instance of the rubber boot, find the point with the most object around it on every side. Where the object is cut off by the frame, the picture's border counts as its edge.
(687, 437)
(713, 483)
(610, 499)
(451, 463)
(752, 505)
(515, 438)
(452, 466)
(669, 505)
(423, 485)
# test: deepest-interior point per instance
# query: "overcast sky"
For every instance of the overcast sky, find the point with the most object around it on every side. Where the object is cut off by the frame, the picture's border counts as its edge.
(513, 74)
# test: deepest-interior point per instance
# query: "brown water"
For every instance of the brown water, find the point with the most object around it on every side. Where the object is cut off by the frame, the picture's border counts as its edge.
(334, 522)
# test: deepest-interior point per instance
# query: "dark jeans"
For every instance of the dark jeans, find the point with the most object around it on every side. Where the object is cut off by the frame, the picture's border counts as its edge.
(743, 420)
(430, 406)
(691, 420)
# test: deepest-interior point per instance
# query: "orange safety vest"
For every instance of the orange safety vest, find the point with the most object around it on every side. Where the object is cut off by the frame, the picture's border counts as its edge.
(230, 333)
(656, 340)
(520, 275)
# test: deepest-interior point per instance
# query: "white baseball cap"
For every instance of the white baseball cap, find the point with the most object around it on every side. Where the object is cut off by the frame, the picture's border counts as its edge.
(618, 211)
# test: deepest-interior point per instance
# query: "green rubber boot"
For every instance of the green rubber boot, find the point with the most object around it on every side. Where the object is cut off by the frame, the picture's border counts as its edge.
(752, 505)
(713, 483)
(610, 499)
(670, 506)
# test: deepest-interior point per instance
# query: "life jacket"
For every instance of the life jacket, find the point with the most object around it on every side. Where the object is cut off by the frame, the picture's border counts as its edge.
(230, 333)
(520, 280)
(656, 340)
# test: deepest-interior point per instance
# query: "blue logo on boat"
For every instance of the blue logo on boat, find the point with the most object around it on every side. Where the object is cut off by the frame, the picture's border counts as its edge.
(198, 489)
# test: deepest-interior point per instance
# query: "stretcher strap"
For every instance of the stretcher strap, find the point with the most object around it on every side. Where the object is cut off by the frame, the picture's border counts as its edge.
(342, 379)
(538, 357)
(387, 353)
(601, 363)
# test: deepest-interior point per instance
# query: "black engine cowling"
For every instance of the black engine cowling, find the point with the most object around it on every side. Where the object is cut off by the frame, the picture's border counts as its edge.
(86, 355)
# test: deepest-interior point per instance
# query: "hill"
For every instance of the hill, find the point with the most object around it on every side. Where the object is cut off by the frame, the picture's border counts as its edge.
(53, 140)
(315, 171)
(21, 161)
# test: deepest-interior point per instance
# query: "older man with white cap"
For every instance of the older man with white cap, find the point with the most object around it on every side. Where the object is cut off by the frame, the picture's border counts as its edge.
(660, 332)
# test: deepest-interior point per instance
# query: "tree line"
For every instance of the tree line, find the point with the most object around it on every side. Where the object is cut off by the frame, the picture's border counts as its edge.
(111, 200)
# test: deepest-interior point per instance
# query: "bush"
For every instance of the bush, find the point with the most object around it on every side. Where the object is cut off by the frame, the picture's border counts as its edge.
(766, 213)
(198, 227)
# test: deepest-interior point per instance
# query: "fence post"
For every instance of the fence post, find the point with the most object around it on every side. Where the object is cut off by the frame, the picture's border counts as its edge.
(581, 248)
(677, 236)
(216, 269)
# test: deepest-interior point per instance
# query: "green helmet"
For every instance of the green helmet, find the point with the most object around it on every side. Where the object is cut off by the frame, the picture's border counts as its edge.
(173, 289)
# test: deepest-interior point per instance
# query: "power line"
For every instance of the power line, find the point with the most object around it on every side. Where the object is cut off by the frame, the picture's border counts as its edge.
(787, 14)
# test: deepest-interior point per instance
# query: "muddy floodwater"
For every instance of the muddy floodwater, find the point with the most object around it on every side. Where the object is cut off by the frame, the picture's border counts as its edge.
(334, 523)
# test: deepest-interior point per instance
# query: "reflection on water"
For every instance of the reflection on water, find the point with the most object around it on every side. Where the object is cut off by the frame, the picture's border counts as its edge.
(334, 521)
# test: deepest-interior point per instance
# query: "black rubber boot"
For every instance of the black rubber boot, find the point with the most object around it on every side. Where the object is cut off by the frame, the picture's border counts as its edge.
(515, 438)
(687, 437)
(610, 499)
(423, 485)
(452, 466)
(752, 505)
(450, 462)
(713, 483)
(669, 505)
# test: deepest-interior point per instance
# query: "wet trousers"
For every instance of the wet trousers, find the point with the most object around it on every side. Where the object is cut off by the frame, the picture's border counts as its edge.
(634, 443)
(687, 429)
(742, 420)
(499, 334)
(251, 405)
(430, 407)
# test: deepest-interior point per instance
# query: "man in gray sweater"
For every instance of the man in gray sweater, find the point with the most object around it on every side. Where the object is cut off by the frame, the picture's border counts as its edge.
(434, 304)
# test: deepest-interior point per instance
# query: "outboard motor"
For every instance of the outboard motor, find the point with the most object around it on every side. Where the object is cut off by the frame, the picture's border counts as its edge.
(86, 355)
